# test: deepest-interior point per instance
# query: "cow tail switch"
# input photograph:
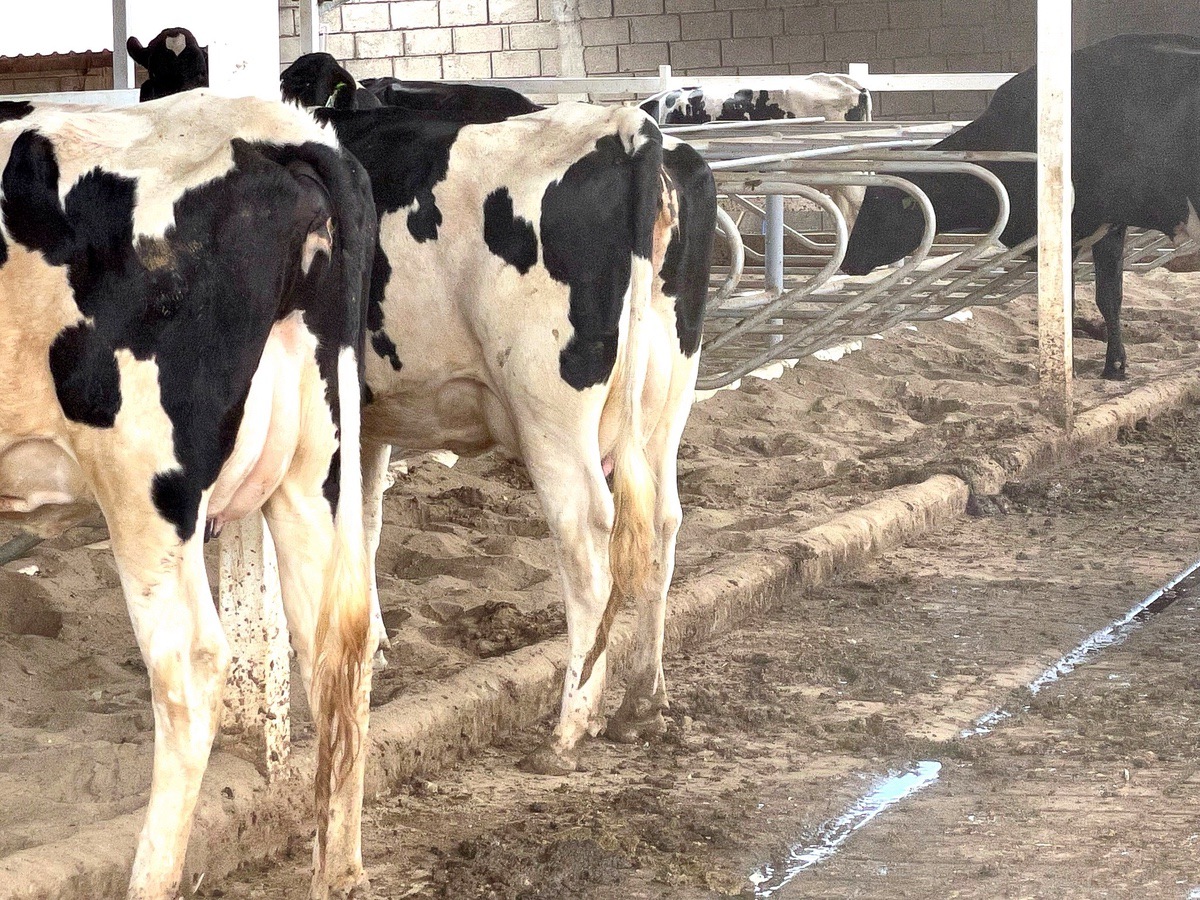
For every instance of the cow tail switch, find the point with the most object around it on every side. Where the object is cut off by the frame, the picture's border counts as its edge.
(343, 639)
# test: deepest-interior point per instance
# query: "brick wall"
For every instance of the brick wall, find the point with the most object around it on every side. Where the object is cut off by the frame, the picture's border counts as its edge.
(464, 39)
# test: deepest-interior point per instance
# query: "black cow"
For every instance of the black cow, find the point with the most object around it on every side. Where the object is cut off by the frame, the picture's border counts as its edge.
(174, 60)
(316, 79)
(1135, 160)
(182, 295)
(540, 287)
(467, 102)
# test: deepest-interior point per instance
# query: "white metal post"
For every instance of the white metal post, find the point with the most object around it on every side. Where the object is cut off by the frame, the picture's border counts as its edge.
(310, 27)
(257, 694)
(773, 251)
(1055, 199)
(244, 60)
(123, 75)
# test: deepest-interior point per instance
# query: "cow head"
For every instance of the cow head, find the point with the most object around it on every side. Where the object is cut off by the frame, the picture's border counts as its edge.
(316, 79)
(861, 111)
(174, 60)
(889, 226)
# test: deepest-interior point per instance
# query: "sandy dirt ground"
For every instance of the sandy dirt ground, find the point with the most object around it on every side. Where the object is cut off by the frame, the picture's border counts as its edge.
(467, 571)
(1091, 790)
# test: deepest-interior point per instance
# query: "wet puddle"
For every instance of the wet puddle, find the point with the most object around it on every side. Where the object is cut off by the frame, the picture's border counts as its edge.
(891, 789)
(886, 792)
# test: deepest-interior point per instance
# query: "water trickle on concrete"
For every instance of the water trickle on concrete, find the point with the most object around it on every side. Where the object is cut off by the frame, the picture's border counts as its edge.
(887, 792)
(896, 786)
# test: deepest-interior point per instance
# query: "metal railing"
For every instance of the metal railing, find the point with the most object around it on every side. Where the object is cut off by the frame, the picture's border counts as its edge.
(764, 310)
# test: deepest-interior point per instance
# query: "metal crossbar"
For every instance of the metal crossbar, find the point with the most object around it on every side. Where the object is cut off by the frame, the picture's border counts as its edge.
(752, 322)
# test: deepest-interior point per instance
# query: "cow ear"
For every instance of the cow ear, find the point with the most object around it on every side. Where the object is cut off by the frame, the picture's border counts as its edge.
(138, 53)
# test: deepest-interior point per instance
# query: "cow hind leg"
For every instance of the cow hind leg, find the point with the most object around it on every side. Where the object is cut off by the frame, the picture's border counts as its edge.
(375, 467)
(1108, 254)
(640, 716)
(303, 530)
(569, 478)
(187, 657)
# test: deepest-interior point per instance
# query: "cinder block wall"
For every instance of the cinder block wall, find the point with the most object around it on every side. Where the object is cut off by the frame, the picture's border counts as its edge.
(466, 39)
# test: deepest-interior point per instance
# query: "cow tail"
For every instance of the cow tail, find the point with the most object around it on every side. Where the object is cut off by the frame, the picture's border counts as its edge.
(633, 546)
(344, 642)
(343, 639)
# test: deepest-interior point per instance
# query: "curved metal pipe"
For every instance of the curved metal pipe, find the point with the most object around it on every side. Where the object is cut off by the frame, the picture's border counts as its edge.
(828, 271)
(737, 258)
(770, 310)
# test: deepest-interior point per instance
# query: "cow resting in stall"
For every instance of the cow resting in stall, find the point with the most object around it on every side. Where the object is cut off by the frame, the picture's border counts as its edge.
(1135, 162)
(835, 97)
(539, 287)
(181, 305)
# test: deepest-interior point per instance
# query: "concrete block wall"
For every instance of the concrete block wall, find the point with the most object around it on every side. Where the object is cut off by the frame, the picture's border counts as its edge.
(464, 39)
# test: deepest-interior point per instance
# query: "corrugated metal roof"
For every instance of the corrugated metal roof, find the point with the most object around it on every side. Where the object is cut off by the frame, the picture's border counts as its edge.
(55, 62)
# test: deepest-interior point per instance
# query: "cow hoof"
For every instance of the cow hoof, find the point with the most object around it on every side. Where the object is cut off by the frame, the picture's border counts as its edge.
(635, 731)
(548, 761)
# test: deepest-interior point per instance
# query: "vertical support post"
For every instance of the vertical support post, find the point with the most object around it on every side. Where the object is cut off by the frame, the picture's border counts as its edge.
(257, 712)
(123, 75)
(1055, 199)
(243, 59)
(773, 252)
(664, 77)
(310, 27)
(569, 31)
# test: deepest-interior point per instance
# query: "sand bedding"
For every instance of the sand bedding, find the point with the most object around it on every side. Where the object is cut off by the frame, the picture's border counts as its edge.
(467, 569)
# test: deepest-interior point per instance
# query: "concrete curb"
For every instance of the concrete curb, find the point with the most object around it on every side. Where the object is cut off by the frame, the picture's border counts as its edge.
(240, 818)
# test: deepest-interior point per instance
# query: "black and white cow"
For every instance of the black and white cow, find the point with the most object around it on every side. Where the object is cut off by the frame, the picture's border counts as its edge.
(174, 60)
(316, 79)
(182, 290)
(1135, 160)
(540, 288)
(839, 98)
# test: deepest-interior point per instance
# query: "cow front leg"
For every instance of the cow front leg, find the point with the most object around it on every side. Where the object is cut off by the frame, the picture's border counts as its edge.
(187, 656)
(1108, 253)
(579, 510)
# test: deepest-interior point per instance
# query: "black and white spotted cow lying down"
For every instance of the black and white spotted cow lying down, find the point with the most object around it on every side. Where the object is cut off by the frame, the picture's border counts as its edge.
(540, 288)
(181, 306)
(174, 62)
(839, 98)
